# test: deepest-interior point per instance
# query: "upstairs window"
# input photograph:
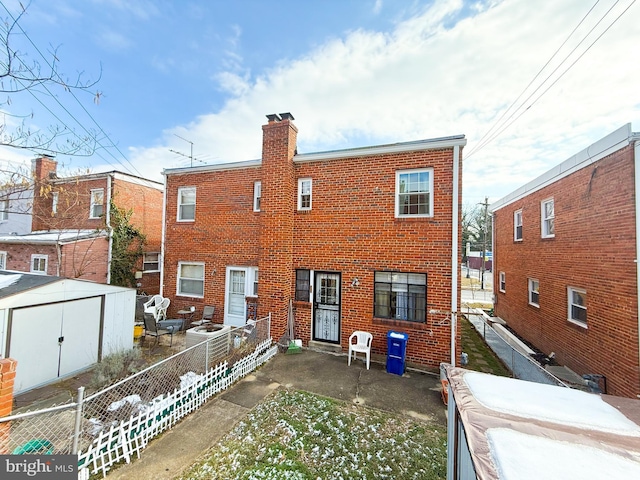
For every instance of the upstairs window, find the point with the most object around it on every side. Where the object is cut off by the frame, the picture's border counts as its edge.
(503, 282)
(534, 292)
(577, 306)
(97, 203)
(39, 264)
(186, 204)
(3, 260)
(151, 262)
(4, 210)
(257, 195)
(304, 194)
(548, 218)
(400, 296)
(54, 203)
(414, 193)
(517, 225)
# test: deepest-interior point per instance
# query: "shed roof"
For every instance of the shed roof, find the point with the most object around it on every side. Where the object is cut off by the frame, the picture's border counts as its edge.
(12, 283)
(52, 237)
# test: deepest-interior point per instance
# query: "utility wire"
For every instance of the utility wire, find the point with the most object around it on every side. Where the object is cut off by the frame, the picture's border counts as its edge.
(506, 125)
(78, 102)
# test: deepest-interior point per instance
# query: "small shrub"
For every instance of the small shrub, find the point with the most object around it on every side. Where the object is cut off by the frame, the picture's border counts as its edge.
(117, 366)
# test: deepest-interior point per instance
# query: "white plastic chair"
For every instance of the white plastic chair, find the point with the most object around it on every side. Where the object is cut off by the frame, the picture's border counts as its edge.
(161, 310)
(151, 305)
(362, 344)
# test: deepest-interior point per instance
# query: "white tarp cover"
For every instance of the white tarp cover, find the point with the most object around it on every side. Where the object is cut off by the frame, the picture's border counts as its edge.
(525, 431)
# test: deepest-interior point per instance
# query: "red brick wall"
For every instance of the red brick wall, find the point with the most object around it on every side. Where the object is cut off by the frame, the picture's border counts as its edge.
(7, 379)
(593, 249)
(146, 203)
(351, 229)
(86, 259)
(19, 256)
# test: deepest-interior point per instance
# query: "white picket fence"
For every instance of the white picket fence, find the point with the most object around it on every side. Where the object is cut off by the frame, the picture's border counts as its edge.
(129, 437)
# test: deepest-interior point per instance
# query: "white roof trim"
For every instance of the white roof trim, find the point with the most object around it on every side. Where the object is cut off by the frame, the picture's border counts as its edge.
(613, 142)
(60, 237)
(213, 168)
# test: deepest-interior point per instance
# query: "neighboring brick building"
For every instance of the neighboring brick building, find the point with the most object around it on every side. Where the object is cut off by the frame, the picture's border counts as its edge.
(565, 261)
(70, 225)
(358, 239)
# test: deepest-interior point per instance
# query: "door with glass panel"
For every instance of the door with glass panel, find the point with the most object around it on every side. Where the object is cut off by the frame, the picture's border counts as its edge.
(234, 312)
(326, 307)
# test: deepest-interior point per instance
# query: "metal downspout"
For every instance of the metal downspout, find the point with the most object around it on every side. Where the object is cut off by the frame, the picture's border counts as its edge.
(636, 165)
(164, 213)
(109, 229)
(455, 268)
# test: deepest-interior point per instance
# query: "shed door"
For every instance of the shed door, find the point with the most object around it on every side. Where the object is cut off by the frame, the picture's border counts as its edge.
(54, 340)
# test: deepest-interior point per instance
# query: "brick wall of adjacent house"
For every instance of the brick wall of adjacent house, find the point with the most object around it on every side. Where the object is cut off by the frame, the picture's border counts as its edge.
(85, 259)
(19, 256)
(351, 229)
(7, 379)
(593, 249)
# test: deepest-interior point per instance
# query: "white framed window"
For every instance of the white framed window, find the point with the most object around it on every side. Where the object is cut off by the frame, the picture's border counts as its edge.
(97, 203)
(4, 210)
(3, 260)
(191, 279)
(54, 203)
(534, 292)
(304, 193)
(186, 204)
(39, 264)
(414, 196)
(257, 195)
(548, 218)
(517, 225)
(503, 282)
(577, 306)
(255, 282)
(151, 262)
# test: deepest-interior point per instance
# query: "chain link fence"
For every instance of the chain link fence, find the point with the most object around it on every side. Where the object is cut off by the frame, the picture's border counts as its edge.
(521, 366)
(71, 428)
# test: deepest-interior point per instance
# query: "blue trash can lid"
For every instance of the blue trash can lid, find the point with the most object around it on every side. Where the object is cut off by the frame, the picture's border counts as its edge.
(399, 335)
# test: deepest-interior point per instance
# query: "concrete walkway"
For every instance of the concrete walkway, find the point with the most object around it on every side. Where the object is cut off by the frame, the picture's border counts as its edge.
(415, 394)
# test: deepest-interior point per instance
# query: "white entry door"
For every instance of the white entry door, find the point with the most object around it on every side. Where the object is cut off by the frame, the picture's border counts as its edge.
(235, 305)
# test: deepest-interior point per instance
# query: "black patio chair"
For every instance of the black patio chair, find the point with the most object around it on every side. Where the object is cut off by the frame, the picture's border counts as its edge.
(151, 329)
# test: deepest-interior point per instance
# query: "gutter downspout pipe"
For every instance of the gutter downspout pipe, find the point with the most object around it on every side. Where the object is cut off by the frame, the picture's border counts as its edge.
(455, 268)
(109, 228)
(164, 213)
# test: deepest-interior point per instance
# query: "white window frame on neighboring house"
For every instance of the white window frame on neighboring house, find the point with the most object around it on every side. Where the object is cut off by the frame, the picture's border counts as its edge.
(4, 210)
(412, 186)
(573, 306)
(181, 216)
(503, 282)
(547, 218)
(257, 195)
(40, 261)
(305, 193)
(97, 203)
(149, 264)
(195, 278)
(517, 225)
(534, 292)
(54, 203)
(3, 260)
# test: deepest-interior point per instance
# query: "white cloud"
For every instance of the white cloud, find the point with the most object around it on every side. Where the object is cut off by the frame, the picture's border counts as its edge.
(112, 40)
(434, 77)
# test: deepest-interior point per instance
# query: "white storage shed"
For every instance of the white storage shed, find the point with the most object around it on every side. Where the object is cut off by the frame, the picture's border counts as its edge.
(55, 327)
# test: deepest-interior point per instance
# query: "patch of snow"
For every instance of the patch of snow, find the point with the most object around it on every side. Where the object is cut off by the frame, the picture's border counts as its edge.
(563, 406)
(517, 457)
(6, 280)
(131, 399)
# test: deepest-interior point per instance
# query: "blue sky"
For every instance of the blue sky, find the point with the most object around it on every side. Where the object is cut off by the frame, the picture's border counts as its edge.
(353, 73)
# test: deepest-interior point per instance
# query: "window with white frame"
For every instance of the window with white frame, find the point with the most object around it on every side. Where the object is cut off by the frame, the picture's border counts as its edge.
(255, 282)
(304, 194)
(191, 279)
(577, 300)
(97, 203)
(400, 296)
(534, 292)
(257, 195)
(39, 264)
(414, 196)
(548, 218)
(3, 260)
(151, 262)
(517, 225)
(54, 203)
(186, 204)
(4, 210)
(503, 282)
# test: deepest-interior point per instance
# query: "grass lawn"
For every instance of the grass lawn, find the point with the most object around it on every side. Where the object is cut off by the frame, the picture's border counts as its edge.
(481, 357)
(299, 435)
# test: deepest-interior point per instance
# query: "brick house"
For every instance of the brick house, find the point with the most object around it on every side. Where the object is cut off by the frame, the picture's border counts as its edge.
(358, 239)
(565, 261)
(70, 233)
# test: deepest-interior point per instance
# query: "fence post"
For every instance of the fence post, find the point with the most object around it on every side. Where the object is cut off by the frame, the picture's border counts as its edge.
(206, 357)
(78, 424)
(269, 326)
(7, 378)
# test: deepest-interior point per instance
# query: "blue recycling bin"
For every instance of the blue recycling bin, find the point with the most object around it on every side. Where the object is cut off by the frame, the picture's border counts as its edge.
(396, 352)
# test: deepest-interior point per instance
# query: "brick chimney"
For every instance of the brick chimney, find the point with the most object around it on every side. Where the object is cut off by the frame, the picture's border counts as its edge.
(277, 209)
(44, 168)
